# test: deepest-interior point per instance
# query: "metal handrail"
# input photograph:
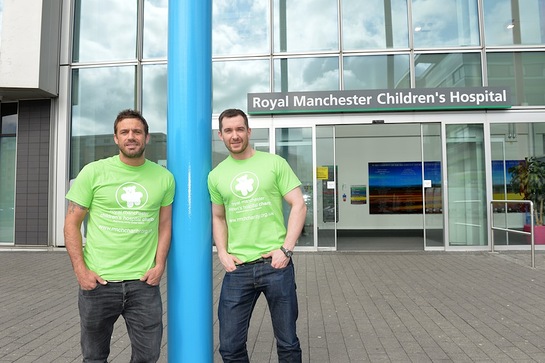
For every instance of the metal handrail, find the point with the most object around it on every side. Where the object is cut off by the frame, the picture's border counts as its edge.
(531, 233)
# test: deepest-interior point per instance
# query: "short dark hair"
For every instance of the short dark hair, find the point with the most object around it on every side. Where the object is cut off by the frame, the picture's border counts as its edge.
(232, 112)
(128, 113)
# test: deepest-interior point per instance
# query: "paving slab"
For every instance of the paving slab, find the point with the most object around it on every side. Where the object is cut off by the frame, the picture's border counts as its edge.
(354, 307)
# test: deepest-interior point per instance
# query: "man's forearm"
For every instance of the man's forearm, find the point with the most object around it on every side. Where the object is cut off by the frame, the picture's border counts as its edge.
(296, 222)
(74, 247)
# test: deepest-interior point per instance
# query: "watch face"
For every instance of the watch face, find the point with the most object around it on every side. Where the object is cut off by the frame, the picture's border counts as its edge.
(288, 253)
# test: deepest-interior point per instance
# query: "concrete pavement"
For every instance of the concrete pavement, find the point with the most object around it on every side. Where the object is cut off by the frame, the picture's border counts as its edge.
(354, 307)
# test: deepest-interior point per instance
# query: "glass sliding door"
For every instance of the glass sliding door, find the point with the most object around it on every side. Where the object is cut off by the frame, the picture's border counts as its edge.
(295, 145)
(326, 188)
(466, 182)
(510, 144)
(432, 186)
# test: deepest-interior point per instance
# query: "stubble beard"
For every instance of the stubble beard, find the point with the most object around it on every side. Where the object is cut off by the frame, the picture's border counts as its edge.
(241, 150)
(135, 154)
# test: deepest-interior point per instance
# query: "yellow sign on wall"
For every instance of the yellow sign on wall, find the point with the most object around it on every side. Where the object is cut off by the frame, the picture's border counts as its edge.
(322, 172)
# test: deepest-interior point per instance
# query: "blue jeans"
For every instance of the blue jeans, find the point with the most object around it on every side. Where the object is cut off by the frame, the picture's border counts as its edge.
(239, 293)
(140, 305)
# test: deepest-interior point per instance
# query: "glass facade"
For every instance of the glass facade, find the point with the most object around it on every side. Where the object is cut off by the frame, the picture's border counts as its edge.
(118, 60)
(514, 22)
(8, 133)
(119, 52)
(511, 143)
(523, 72)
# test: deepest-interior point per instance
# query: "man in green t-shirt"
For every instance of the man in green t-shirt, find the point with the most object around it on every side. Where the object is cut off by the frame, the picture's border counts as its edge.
(252, 242)
(128, 201)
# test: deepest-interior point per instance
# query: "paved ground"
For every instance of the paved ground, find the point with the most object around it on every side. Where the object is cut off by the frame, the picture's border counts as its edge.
(354, 307)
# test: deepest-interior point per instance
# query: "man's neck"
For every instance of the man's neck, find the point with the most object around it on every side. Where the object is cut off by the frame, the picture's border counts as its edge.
(248, 153)
(132, 161)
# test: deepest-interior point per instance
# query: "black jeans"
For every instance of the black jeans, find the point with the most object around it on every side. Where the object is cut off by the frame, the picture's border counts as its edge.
(140, 305)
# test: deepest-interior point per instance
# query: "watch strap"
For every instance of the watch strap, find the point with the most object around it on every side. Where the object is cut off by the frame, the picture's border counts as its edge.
(287, 252)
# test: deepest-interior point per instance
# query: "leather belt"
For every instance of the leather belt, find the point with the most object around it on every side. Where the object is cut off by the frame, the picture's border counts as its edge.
(259, 260)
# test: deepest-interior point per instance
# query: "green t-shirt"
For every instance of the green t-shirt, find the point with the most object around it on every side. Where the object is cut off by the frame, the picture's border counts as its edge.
(123, 225)
(251, 191)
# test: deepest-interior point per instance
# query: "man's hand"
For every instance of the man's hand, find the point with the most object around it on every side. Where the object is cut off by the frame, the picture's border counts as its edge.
(279, 259)
(88, 279)
(229, 261)
(153, 276)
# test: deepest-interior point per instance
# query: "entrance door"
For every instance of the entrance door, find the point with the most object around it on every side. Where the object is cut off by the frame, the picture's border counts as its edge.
(326, 189)
(295, 145)
(378, 187)
(432, 187)
(467, 209)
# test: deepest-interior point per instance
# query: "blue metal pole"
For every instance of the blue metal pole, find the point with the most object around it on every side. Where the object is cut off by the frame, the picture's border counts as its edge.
(189, 268)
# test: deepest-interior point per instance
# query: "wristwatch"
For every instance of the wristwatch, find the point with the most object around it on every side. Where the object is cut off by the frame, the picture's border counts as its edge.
(287, 252)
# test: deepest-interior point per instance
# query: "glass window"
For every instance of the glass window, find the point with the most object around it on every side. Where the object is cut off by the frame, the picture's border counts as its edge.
(371, 24)
(376, 72)
(514, 22)
(233, 80)
(155, 29)
(154, 109)
(295, 145)
(98, 94)
(104, 33)
(240, 27)
(306, 74)
(8, 128)
(259, 140)
(448, 70)
(466, 185)
(439, 23)
(523, 72)
(154, 97)
(305, 25)
(511, 143)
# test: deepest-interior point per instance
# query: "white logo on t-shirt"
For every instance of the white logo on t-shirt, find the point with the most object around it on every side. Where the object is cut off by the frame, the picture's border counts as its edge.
(131, 195)
(245, 184)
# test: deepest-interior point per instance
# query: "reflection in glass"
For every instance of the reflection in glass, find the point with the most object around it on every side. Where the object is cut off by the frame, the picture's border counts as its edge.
(8, 129)
(433, 193)
(524, 73)
(154, 109)
(240, 27)
(514, 22)
(306, 74)
(295, 145)
(327, 198)
(8, 122)
(98, 94)
(439, 23)
(376, 72)
(511, 143)
(232, 80)
(305, 25)
(103, 33)
(466, 185)
(371, 24)
(155, 28)
(154, 96)
(7, 186)
(259, 139)
(448, 70)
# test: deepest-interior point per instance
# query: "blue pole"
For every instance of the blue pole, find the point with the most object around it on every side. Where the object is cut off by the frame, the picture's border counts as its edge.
(189, 271)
